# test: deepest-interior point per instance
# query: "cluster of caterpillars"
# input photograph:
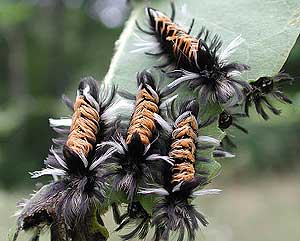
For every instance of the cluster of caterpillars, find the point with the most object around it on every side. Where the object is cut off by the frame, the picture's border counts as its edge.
(152, 154)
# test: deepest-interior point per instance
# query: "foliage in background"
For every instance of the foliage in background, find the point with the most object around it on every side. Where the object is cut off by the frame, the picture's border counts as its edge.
(42, 55)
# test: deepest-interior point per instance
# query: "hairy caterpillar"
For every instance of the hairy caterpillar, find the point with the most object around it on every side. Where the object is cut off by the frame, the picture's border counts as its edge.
(181, 182)
(198, 61)
(135, 162)
(227, 120)
(76, 165)
(265, 88)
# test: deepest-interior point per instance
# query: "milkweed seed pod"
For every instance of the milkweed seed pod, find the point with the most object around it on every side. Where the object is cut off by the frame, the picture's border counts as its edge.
(75, 162)
(174, 211)
(197, 61)
(264, 89)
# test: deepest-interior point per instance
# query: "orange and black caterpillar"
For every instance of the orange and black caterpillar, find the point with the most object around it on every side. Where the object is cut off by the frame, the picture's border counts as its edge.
(183, 147)
(84, 127)
(174, 211)
(197, 60)
(142, 122)
(136, 161)
(137, 150)
(80, 143)
(76, 163)
(265, 88)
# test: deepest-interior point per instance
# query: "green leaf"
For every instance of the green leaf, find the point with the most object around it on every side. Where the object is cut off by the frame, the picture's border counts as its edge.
(10, 234)
(96, 228)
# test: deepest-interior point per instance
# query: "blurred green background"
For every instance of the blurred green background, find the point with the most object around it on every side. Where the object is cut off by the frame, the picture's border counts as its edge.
(46, 46)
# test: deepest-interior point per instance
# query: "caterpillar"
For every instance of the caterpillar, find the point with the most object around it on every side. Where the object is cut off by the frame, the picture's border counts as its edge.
(197, 60)
(227, 120)
(142, 123)
(174, 211)
(135, 163)
(75, 162)
(265, 88)
(136, 150)
(183, 149)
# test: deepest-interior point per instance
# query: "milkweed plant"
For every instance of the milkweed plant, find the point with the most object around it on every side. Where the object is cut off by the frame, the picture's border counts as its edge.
(150, 136)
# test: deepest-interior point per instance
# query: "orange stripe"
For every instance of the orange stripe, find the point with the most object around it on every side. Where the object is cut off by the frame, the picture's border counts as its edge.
(84, 127)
